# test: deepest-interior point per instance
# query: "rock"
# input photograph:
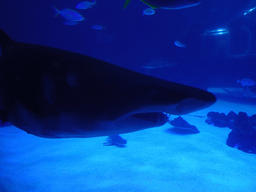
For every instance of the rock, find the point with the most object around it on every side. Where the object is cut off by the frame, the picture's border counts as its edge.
(253, 121)
(217, 119)
(231, 118)
(243, 135)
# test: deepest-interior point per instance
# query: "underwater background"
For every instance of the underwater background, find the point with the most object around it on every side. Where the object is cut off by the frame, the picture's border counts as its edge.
(209, 46)
(132, 39)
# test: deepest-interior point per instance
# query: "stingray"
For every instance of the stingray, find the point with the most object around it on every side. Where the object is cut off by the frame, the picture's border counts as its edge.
(180, 126)
(53, 93)
(116, 140)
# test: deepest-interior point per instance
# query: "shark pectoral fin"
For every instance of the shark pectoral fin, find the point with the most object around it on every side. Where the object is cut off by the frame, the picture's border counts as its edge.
(126, 3)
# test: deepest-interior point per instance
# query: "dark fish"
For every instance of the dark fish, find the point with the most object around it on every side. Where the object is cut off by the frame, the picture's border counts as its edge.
(116, 140)
(168, 4)
(53, 93)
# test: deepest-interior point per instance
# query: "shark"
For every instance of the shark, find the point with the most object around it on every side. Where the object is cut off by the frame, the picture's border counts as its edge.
(54, 93)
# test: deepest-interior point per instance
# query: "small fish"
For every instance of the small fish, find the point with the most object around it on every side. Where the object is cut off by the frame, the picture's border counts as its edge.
(86, 5)
(148, 11)
(98, 27)
(116, 140)
(69, 14)
(246, 82)
(179, 44)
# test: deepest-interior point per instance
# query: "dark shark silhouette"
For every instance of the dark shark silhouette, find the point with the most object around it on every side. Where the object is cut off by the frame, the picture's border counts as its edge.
(53, 93)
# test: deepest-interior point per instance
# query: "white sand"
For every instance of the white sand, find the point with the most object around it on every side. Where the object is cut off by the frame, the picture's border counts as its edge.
(153, 161)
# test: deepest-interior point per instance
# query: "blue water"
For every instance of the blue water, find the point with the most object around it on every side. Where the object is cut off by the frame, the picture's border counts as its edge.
(131, 40)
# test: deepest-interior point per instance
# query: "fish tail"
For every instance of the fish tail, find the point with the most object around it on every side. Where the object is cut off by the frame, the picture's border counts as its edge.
(153, 7)
(126, 3)
(5, 41)
(56, 10)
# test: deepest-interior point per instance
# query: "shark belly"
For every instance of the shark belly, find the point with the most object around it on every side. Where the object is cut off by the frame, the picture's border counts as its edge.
(66, 125)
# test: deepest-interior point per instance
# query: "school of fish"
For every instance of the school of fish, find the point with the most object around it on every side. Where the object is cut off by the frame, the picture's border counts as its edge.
(72, 17)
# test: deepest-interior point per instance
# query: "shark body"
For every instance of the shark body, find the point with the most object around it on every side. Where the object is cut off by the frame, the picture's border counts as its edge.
(54, 93)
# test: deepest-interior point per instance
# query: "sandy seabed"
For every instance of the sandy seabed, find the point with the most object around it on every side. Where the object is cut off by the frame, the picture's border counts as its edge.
(153, 160)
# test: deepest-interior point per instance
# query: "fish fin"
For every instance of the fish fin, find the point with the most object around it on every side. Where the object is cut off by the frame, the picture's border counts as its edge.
(56, 10)
(126, 3)
(5, 41)
(153, 7)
